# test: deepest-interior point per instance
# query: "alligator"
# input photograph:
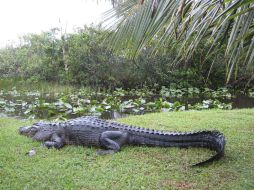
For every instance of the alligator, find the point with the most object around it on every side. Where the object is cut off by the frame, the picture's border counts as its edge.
(111, 136)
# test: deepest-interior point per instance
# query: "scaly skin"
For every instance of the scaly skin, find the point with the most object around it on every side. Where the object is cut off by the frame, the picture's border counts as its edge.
(91, 131)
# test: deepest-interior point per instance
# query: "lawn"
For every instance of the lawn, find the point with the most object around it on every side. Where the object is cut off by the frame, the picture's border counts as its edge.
(134, 167)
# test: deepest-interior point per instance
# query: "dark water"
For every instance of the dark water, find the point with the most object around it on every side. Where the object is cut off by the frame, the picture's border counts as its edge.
(239, 102)
(242, 101)
(114, 115)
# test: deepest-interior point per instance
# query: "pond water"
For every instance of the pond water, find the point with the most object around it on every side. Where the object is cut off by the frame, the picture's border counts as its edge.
(25, 104)
(238, 102)
(242, 101)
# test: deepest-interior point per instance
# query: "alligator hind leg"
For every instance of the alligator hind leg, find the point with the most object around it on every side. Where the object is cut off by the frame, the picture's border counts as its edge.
(112, 141)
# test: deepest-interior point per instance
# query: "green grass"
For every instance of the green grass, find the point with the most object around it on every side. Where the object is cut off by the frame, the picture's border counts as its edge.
(134, 167)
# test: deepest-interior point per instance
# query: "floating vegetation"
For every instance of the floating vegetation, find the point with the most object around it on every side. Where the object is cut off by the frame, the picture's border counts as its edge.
(251, 92)
(63, 105)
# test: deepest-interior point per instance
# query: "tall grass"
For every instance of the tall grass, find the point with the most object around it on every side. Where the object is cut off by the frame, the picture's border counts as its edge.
(41, 86)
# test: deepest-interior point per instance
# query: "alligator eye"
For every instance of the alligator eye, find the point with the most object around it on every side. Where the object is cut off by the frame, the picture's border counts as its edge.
(33, 130)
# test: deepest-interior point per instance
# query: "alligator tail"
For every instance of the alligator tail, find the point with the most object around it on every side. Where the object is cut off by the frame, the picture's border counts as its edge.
(216, 141)
(213, 140)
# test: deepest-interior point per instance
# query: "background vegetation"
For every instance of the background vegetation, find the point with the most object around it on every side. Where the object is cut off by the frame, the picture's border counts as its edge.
(83, 59)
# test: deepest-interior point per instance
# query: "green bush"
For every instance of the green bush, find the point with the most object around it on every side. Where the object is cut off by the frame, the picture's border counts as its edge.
(83, 59)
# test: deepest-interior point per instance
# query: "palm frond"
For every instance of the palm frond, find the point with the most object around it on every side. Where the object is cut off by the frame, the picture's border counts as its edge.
(230, 22)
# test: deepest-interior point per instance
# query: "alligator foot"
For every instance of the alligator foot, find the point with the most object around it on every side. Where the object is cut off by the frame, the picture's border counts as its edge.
(52, 144)
(56, 142)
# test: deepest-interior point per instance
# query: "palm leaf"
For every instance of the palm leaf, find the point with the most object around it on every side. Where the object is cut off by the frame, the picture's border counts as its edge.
(136, 23)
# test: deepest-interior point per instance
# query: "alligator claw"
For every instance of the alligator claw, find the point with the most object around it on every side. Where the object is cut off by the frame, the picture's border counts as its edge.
(48, 144)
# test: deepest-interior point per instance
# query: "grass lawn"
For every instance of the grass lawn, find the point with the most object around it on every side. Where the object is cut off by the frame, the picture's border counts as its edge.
(134, 167)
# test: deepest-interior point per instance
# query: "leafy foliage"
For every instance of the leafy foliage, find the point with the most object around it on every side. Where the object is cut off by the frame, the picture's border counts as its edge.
(82, 59)
(217, 23)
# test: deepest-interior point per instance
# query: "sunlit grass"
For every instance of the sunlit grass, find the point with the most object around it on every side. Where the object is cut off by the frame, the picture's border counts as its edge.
(76, 167)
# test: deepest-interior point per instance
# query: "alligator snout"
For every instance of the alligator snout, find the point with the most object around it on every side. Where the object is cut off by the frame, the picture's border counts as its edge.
(23, 130)
(28, 131)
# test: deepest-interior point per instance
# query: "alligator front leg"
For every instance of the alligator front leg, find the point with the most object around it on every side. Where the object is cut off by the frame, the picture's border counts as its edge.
(112, 141)
(55, 141)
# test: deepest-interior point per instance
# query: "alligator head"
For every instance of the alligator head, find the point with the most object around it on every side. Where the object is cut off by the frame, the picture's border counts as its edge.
(29, 131)
(39, 131)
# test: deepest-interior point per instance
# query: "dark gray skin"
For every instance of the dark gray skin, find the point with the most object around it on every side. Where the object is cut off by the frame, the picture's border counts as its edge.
(111, 136)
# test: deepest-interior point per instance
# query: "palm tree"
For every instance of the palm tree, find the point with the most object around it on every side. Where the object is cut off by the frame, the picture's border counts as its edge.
(221, 22)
